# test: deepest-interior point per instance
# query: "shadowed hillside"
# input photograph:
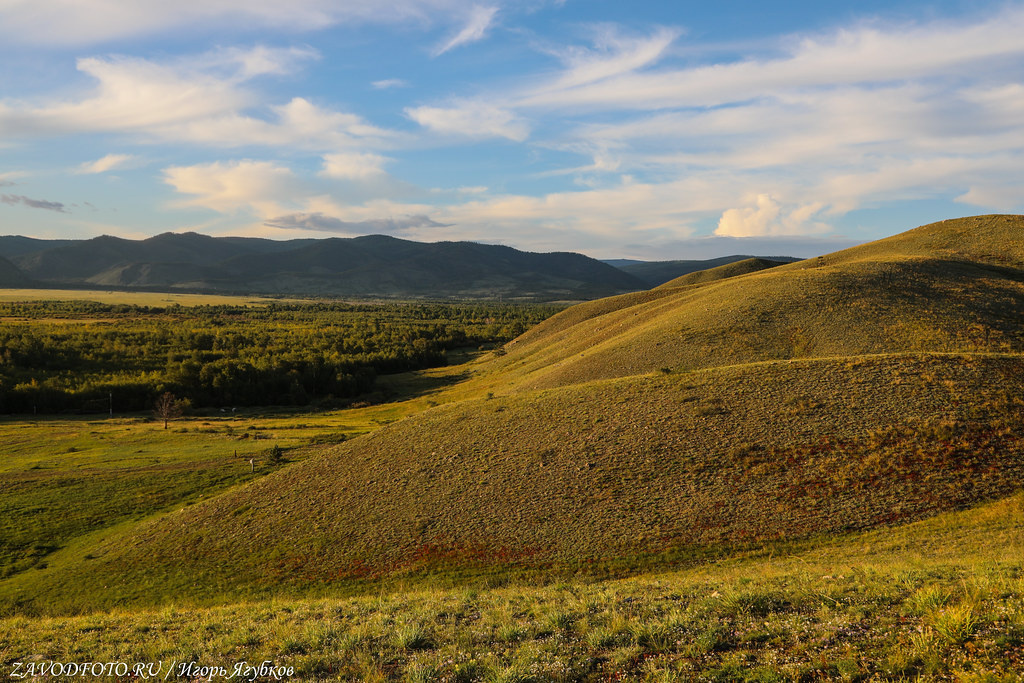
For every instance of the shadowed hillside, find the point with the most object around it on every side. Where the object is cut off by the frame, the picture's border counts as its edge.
(370, 266)
(11, 276)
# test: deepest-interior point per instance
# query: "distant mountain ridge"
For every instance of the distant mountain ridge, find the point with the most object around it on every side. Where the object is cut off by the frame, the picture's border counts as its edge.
(369, 266)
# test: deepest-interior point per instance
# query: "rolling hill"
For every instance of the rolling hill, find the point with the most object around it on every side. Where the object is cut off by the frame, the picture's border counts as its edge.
(874, 386)
(951, 286)
(370, 266)
(655, 273)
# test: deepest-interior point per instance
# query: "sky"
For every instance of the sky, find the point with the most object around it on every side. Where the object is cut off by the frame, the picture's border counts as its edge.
(650, 130)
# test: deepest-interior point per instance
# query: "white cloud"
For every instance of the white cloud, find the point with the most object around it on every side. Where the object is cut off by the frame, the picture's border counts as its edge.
(297, 124)
(472, 119)
(107, 163)
(389, 83)
(248, 63)
(239, 186)
(849, 57)
(767, 218)
(200, 100)
(998, 196)
(613, 55)
(354, 165)
(478, 22)
(85, 22)
(130, 95)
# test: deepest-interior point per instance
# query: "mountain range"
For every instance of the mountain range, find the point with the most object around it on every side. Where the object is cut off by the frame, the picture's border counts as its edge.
(370, 266)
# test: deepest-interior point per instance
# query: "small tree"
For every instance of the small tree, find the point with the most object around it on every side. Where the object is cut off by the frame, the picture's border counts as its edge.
(168, 407)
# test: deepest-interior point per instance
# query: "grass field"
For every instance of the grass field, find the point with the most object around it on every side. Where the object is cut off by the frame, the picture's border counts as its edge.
(937, 600)
(158, 299)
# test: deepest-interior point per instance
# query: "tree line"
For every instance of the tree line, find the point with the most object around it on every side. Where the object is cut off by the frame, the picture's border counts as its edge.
(86, 356)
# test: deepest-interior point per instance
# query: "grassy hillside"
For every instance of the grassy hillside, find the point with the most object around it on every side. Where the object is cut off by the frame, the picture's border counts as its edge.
(656, 273)
(750, 265)
(941, 599)
(582, 474)
(951, 286)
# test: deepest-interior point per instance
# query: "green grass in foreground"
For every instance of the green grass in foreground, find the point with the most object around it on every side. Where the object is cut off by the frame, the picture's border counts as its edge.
(941, 599)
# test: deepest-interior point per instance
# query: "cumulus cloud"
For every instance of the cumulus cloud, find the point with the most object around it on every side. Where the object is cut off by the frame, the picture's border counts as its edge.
(320, 222)
(228, 187)
(472, 119)
(767, 218)
(13, 199)
(480, 19)
(107, 163)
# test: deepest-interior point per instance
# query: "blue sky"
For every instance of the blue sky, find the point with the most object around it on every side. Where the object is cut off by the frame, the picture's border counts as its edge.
(648, 130)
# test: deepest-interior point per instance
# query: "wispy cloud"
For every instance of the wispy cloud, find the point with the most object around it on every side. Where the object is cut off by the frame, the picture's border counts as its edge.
(847, 57)
(87, 22)
(389, 83)
(107, 163)
(471, 119)
(479, 21)
(13, 199)
(199, 100)
(613, 54)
